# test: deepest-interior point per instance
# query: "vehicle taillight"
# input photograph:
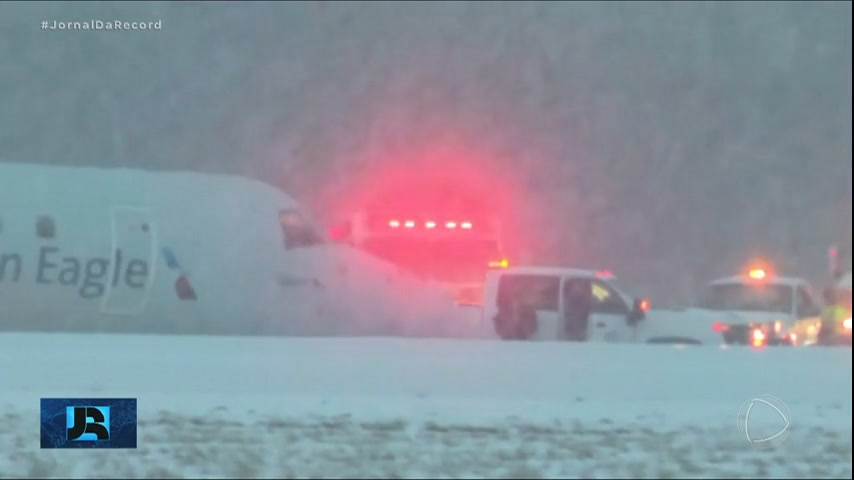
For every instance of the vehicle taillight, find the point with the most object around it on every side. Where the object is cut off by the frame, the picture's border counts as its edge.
(644, 305)
(720, 327)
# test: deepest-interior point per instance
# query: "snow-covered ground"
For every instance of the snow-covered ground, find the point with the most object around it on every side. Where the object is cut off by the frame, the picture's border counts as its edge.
(285, 407)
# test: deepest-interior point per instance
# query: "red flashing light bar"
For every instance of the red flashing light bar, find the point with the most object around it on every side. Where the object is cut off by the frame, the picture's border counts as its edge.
(394, 223)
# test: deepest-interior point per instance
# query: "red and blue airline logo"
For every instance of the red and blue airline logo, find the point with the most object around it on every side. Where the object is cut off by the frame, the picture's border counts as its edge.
(183, 288)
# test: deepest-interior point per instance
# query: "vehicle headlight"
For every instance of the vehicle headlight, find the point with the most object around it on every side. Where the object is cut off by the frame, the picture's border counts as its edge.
(758, 338)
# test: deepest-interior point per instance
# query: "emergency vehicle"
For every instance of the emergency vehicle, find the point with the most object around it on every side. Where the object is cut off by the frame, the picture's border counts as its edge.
(450, 249)
(843, 289)
(840, 313)
(545, 291)
(616, 316)
(442, 228)
(760, 308)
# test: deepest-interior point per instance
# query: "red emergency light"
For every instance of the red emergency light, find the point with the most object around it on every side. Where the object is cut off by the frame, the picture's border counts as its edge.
(720, 327)
(430, 224)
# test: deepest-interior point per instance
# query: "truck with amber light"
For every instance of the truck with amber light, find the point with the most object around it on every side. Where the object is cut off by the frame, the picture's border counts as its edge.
(759, 308)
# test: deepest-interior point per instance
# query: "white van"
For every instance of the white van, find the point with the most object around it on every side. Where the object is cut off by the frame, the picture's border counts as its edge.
(615, 315)
(544, 290)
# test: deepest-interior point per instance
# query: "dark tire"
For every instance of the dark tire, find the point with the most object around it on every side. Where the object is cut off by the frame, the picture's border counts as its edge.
(509, 330)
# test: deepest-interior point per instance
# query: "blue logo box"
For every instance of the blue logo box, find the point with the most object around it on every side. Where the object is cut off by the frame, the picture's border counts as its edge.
(88, 423)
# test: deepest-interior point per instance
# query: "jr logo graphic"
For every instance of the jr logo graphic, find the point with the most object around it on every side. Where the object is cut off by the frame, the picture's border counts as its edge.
(88, 423)
(100, 423)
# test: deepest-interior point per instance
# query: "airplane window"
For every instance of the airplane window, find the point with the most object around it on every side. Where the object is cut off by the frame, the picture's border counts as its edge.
(297, 231)
(45, 227)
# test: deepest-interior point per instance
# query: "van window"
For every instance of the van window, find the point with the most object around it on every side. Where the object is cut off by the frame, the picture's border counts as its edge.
(747, 297)
(537, 291)
(606, 299)
(297, 231)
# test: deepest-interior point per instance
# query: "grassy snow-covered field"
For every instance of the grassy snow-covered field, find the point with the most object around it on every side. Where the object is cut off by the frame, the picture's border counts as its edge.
(223, 407)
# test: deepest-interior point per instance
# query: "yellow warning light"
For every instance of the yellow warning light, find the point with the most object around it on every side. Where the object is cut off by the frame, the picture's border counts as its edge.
(756, 274)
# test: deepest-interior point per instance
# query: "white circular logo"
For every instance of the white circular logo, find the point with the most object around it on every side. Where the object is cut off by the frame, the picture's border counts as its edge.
(764, 421)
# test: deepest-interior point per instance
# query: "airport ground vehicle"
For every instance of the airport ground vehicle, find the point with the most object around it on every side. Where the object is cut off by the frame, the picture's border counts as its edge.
(759, 308)
(441, 231)
(127, 250)
(451, 250)
(835, 325)
(615, 316)
(544, 290)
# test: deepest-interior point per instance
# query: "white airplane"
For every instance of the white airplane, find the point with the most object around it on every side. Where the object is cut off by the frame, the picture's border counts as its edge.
(121, 250)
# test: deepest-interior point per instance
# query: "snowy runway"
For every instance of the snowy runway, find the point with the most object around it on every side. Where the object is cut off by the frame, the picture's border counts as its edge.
(219, 407)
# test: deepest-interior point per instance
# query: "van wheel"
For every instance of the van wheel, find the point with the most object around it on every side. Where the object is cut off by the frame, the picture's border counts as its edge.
(509, 331)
